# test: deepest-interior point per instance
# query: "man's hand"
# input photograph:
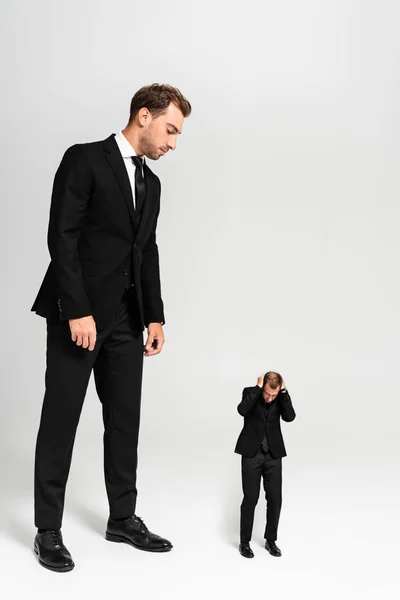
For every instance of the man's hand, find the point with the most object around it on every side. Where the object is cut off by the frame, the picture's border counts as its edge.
(260, 381)
(155, 339)
(83, 332)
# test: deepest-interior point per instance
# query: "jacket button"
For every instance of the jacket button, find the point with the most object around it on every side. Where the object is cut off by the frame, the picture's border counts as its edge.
(126, 272)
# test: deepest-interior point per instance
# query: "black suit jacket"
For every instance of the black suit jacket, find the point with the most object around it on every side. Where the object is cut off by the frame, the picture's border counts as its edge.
(96, 241)
(256, 422)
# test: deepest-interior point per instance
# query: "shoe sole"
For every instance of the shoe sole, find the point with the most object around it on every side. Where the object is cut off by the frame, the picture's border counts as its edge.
(120, 539)
(244, 556)
(55, 569)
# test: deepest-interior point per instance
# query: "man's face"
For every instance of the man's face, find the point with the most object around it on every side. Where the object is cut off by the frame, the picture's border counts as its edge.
(270, 394)
(159, 134)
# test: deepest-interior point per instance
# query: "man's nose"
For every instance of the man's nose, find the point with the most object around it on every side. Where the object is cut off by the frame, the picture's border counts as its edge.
(172, 144)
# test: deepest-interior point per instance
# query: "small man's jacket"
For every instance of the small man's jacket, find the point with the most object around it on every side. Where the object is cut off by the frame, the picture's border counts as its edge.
(257, 423)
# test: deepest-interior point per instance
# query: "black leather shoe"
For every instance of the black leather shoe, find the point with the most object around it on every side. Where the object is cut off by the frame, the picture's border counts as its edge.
(51, 552)
(272, 548)
(133, 531)
(246, 551)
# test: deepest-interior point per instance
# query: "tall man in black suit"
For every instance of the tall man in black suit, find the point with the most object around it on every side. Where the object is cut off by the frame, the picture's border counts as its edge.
(101, 289)
(261, 445)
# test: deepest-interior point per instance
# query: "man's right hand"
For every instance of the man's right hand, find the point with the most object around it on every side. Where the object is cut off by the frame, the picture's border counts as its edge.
(260, 381)
(83, 332)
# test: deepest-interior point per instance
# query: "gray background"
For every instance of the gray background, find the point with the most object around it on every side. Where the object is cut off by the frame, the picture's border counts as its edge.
(279, 250)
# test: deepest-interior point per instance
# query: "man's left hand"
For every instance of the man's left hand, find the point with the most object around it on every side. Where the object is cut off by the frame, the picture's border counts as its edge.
(155, 339)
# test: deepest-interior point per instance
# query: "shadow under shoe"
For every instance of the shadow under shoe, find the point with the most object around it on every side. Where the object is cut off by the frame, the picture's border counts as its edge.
(272, 548)
(133, 531)
(245, 550)
(51, 552)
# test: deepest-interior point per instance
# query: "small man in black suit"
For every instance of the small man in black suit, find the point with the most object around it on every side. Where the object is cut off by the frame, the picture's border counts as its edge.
(261, 445)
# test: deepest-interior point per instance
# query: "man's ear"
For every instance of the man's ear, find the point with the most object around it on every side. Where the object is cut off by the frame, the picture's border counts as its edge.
(144, 116)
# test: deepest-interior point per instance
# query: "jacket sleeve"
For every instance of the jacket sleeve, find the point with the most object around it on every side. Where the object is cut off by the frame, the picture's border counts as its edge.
(249, 398)
(286, 407)
(150, 279)
(69, 202)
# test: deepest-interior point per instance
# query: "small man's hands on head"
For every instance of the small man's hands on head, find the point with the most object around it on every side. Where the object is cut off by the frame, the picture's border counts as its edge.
(260, 381)
(83, 332)
(155, 339)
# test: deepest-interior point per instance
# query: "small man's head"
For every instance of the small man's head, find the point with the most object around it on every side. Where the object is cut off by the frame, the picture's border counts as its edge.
(272, 385)
(157, 114)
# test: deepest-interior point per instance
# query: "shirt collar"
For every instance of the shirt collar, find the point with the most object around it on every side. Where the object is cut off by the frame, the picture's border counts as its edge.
(124, 146)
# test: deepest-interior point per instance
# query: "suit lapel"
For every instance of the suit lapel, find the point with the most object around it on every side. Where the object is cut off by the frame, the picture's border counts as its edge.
(149, 203)
(113, 155)
(261, 411)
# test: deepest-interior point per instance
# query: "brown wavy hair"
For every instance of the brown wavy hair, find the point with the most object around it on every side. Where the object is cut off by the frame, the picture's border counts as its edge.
(156, 98)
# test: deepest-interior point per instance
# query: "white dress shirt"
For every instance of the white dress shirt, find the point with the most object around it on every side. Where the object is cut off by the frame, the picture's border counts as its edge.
(127, 152)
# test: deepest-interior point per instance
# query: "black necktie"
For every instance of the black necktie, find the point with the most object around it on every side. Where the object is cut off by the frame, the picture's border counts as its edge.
(140, 188)
(265, 445)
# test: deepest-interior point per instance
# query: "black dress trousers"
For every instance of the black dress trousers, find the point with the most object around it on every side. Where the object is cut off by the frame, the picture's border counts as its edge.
(117, 362)
(264, 466)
